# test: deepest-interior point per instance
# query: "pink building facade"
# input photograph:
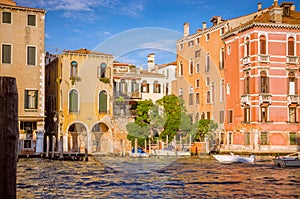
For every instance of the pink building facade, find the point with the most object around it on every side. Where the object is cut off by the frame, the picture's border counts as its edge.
(262, 80)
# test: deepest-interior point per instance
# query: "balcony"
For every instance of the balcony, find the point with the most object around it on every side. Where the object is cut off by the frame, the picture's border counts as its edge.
(245, 99)
(246, 60)
(263, 58)
(265, 98)
(293, 99)
(292, 60)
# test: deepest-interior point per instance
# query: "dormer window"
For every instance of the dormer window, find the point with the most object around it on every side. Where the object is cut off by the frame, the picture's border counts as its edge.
(286, 11)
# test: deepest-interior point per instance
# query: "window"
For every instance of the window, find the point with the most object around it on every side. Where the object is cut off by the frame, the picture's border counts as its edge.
(190, 43)
(228, 50)
(180, 92)
(191, 99)
(207, 63)
(191, 67)
(6, 54)
(292, 83)
(197, 117)
(197, 68)
(31, 55)
(73, 101)
(227, 88)
(207, 81)
(156, 87)
(134, 86)
(123, 86)
(222, 117)
(103, 102)
(27, 144)
(247, 84)
(264, 114)
(293, 138)
(247, 138)
(247, 47)
(180, 68)
(31, 99)
(292, 114)
(207, 37)
(247, 114)
(264, 82)
(208, 97)
(197, 53)
(229, 138)
(198, 40)
(31, 20)
(74, 69)
(28, 126)
(145, 87)
(262, 43)
(291, 45)
(103, 69)
(6, 17)
(180, 46)
(208, 115)
(264, 138)
(222, 31)
(222, 90)
(197, 98)
(197, 83)
(212, 90)
(222, 55)
(230, 116)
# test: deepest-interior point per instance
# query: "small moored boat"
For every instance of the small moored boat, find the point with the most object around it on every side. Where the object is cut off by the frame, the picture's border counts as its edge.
(234, 158)
(292, 160)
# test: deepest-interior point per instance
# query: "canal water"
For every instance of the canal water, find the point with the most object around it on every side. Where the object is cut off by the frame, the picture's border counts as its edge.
(191, 177)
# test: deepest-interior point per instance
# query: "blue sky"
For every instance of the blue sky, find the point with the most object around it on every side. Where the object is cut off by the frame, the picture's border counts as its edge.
(131, 29)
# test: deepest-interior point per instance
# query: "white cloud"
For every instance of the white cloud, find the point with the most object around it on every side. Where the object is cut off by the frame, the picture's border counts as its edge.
(129, 8)
(47, 36)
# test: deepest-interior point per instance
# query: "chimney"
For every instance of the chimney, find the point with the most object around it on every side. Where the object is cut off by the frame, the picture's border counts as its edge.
(276, 13)
(219, 20)
(259, 7)
(151, 62)
(186, 29)
(8, 2)
(203, 25)
(293, 7)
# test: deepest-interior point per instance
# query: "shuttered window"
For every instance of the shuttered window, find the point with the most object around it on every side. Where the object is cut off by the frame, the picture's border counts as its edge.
(103, 102)
(291, 46)
(73, 101)
(6, 54)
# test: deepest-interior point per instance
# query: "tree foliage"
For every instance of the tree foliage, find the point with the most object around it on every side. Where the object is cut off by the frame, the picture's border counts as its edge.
(203, 128)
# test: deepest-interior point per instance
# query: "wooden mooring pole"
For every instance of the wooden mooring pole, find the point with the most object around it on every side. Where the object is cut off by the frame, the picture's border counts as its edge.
(9, 136)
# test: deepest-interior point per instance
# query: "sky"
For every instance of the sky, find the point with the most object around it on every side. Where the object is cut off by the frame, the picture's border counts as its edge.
(132, 29)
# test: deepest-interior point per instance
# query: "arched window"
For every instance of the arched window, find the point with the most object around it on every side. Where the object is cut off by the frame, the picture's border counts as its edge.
(207, 63)
(74, 69)
(156, 87)
(191, 66)
(145, 87)
(102, 70)
(103, 102)
(264, 82)
(291, 44)
(180, 68)
(263, 45)
(73, 101)
(222, 90)
(222, 55)
(292, 83)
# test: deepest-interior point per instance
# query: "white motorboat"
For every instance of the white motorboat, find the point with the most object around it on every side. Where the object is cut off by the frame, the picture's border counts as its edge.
(167, 152)
(234, 158)
(292, 160)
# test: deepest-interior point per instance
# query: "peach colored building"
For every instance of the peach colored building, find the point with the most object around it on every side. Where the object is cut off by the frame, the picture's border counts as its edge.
(262, 79)
(200, 69)
(22, 34)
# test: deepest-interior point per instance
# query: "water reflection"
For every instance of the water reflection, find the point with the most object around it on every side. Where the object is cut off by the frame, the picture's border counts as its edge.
(185, 177)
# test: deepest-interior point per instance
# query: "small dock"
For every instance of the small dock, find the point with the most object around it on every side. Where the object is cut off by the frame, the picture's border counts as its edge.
(72, 156)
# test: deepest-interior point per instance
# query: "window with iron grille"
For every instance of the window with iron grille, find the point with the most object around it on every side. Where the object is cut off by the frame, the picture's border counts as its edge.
(264, 139)
(247, 138)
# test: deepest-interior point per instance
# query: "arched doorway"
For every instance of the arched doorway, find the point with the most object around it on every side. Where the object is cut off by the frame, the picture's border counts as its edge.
(77, 136)
(99, 137)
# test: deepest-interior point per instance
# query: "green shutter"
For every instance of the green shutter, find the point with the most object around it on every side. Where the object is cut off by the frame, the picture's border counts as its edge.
(102, 102)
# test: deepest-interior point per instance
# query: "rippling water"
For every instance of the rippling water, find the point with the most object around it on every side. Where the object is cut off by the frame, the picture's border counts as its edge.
(191, 177)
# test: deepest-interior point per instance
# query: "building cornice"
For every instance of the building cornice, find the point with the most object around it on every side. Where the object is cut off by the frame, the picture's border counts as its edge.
(4, 6)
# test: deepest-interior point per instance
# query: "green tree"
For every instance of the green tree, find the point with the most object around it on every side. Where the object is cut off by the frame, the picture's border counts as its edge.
(203, 128)
(172, 107)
